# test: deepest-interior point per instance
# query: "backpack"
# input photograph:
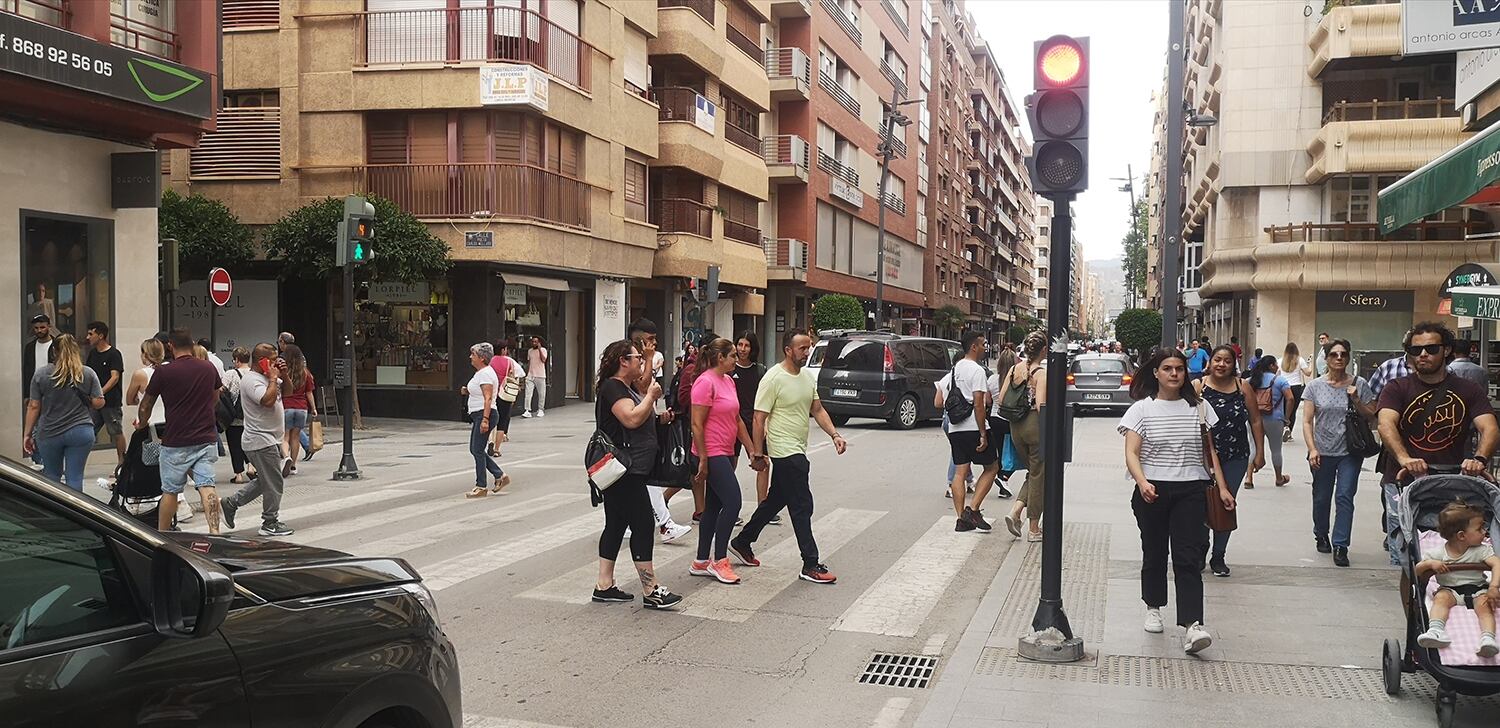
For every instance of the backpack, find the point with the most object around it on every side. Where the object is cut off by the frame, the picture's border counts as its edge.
(1015, 404)
(957, 408)
(1263, 398)
(229, 408)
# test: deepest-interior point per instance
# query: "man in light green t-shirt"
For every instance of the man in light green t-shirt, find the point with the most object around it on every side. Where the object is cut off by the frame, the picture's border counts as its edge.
(786, 398)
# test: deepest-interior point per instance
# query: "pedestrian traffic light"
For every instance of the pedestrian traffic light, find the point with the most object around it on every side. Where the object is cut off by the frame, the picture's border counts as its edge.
(1059, 116)
(356, 242)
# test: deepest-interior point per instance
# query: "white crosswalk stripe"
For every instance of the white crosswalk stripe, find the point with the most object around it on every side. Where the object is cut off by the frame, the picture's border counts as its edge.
(899, 601)
(199, 524)
(427, 507)
(780, 565)
(483, 721)
(574, 587)
(445, 529)
(495, 557)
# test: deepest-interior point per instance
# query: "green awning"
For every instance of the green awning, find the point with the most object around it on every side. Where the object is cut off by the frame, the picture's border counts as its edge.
(1442, 183)
(1482, 302)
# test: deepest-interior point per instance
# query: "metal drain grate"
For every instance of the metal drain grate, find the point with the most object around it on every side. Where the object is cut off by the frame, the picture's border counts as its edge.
(899, 671)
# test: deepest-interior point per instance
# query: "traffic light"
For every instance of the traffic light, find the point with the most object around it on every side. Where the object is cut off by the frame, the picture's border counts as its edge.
(1059, 115)
(356, 243)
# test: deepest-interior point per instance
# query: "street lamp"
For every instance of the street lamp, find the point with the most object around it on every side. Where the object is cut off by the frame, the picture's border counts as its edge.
(886, 150)
(1135, 222)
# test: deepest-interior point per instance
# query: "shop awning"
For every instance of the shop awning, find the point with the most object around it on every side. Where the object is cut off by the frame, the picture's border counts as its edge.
(1461, 176)
(548, 284)
(1481, 302)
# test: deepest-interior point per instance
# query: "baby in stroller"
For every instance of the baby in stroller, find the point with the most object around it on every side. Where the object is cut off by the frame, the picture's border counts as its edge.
(1463, 530)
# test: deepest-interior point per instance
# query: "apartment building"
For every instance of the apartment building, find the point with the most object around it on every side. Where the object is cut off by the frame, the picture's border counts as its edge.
(91, 92)
(999, 211)
(957, 273)
(1314, 117)
(582, 159)
(1043, 250)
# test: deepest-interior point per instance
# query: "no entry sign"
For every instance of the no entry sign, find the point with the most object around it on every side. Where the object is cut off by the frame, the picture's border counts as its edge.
(220, 287)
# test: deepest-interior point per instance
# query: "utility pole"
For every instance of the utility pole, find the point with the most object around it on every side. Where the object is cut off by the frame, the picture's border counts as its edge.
(1171, 211)
(886, 150)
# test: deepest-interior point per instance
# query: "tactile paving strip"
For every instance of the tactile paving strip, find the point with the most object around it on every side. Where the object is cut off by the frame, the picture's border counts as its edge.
(1085, 572)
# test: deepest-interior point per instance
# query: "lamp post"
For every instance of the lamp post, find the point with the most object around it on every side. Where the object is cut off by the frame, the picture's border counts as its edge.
(1135, 224)
(886, 150)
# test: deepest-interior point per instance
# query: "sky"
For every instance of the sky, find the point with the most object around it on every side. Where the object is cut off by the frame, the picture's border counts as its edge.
(1127, 47)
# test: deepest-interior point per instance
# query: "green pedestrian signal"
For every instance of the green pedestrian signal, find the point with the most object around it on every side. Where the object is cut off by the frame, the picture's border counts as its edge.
(356, 241)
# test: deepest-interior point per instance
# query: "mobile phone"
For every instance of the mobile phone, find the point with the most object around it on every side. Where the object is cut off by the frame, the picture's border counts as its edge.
(265, 367)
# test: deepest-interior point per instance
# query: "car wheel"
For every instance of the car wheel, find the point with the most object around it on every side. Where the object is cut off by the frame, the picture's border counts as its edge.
(839, 420)
(904, 417)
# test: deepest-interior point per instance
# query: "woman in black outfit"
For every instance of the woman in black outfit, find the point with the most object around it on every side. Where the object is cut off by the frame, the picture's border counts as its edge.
(1233, 401)
(747, 375)
(627, 418)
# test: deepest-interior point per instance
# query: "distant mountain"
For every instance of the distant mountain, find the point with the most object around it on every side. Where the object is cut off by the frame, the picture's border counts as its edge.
(1111, 283)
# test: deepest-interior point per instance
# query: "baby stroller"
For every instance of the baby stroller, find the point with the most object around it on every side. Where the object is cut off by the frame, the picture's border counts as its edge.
(137, 491)
(1417, 510)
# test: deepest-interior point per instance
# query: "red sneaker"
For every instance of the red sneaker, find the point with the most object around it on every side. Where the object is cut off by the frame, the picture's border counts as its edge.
(724, 572)
(701, 568)
(818, 574)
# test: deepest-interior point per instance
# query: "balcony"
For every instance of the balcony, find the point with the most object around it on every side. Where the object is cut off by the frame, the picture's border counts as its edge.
(742, 232)
(1355, 31)
(49, 12)
(897, 145)
(837, 169)
(1438, 108)
(1308, 232)
(681, 215)
(842, 19)
(791, 9)
(891, 9)
(839, 94)
(745, 139)
(1403, 136)
(790, 73)
(895, 203)
(489, 33)
(704, 8)
(464, 190)
(786, 258)
(143, 37)
(748, 45)
(895, 77)
(786, 158)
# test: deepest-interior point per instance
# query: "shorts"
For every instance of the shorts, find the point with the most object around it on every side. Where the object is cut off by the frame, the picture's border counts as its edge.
(111, 419)
(500, 415)
(965, 449)
(1465, 594)
(177, 463)
(295, 418)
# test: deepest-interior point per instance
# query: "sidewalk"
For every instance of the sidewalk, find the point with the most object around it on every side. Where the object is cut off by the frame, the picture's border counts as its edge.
(1297, 640)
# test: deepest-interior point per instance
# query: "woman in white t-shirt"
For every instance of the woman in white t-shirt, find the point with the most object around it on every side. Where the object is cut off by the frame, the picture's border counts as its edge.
(480, 392)
(1296, 370)
(1164, 452)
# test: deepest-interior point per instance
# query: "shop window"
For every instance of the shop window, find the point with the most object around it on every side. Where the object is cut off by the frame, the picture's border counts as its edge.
(68, 266)
(149, 26)
(636, 192)
(401, 334)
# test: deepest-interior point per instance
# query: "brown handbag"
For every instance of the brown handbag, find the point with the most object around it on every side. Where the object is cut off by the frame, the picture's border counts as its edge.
(1218, 517)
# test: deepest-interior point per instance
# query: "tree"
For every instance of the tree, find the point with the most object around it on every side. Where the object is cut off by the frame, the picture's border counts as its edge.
(1133, 258)
(207, 233)
(949, 320)
(306, 240)
(838, 311)
(1138, 329)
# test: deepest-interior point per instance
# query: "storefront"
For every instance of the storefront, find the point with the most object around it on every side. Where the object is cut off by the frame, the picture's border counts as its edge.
(1375, 322)
(1472, 293)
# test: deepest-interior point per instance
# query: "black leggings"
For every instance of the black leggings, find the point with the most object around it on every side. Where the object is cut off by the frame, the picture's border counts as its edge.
(1296, 400)
(627, 505)
(236, 452)
(721, 508)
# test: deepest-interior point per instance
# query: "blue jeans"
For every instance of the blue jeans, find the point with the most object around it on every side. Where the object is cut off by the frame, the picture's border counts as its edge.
(1234, 474)
(63, 457)
(1335, 483)
(478, 447)
(178, 463)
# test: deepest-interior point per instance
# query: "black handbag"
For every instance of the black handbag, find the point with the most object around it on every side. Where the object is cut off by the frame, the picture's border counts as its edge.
(675, 462)
(1357, 435)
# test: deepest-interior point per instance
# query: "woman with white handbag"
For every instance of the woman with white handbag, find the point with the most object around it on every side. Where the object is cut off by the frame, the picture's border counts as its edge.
(508, 371)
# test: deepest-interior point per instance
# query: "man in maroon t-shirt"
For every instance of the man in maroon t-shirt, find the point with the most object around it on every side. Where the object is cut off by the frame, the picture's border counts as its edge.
(189, 388)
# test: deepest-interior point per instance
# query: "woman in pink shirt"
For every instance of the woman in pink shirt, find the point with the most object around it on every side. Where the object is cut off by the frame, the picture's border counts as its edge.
(716, 427)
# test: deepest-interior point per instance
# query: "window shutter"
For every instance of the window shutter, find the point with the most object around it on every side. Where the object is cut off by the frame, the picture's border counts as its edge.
(246, 144)
(635, 190)
(637, 70)
(429, 139)
(474, 136)
(508, 137)
(252, 13)
(385, 139)
(571, 153)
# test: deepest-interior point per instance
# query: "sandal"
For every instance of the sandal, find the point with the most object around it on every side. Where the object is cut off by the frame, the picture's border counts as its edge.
(493, 451)
(1248, 485)
(239, 480)
(478, 492)
(500, 484)
(1283, 480)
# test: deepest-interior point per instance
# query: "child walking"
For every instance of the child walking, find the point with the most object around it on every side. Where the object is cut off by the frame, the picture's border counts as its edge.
(1462, 527)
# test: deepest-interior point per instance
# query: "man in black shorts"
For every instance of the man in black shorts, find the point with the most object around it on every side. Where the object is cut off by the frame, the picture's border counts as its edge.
(963, 395)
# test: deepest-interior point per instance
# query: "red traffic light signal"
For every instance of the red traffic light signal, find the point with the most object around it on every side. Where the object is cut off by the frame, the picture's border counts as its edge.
(1060, 62)
(1059, 116)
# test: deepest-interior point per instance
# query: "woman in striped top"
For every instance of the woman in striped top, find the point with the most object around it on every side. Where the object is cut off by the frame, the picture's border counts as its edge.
(1165, 456)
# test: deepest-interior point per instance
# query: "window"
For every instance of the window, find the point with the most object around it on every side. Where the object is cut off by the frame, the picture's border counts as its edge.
(637, 69)
(61, 579)
(743, 29)
(67, 266)
(741, 121)
(741, 215)
(247, 141)
(149, 27)
(636, 192)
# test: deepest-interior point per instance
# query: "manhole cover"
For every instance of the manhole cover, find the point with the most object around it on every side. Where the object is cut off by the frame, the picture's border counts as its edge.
(899, 671)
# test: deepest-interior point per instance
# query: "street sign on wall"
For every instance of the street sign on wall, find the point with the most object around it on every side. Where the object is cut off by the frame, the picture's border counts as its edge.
(1445, 26)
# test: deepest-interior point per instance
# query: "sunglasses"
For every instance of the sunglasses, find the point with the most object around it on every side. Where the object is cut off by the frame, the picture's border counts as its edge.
(1429, 349)
(1338, 355)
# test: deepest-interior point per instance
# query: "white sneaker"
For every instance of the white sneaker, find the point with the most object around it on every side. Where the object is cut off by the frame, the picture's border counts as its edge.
(1198, 639)
(1154, 624)
(1434, 639)
(1487, 647)
(541, 413)
(671, 531)
(526, 414)
(184, 510)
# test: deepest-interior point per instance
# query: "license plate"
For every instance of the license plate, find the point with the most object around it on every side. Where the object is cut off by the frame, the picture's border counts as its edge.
(850, 393)
(1102, 395)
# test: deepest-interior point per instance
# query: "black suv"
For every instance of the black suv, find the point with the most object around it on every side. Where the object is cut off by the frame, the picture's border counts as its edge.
(884, 376)
(105, 623)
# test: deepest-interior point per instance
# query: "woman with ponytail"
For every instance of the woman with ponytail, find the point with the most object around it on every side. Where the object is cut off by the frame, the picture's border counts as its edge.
(60, 414)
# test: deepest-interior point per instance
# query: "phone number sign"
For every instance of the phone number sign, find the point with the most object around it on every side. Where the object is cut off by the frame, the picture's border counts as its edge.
(45, 53)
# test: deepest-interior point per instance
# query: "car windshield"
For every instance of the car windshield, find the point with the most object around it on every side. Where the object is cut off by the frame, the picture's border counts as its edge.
(855, 355)
(1098, 366)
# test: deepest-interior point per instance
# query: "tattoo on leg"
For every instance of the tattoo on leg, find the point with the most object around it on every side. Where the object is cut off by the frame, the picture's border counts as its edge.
(648, 578)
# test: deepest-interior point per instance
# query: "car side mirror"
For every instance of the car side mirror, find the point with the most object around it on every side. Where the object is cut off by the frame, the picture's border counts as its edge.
(190, 595)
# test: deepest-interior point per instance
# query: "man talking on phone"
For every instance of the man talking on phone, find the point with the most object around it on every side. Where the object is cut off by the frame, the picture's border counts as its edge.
(265, 429)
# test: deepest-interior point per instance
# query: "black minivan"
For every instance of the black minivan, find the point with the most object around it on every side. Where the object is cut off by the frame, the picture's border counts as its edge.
(107, 624)
(884, 376)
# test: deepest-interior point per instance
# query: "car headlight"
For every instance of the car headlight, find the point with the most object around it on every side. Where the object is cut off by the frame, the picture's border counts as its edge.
(425, 598)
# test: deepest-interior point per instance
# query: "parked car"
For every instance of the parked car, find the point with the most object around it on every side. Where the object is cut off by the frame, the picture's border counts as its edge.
(884, 376)
(815, 358)
(104, 622)
(1099, 381)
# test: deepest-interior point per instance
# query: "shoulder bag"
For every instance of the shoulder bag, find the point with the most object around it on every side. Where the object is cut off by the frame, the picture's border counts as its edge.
(1218, 517)
(1015, 405)
(1357, 435)
(605, 461)
(510, 384)
(96, 418)
(957, 408)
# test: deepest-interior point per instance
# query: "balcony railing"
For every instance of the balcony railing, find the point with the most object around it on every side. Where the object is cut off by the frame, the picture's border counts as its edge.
(890, 8)
(481, 189)
(839, 93)
(895, 77)
(785, 149)
(1438, 108)
(484, 33)
(843, 20)
(681, 215)
(837, 169)
(980, 233)
(704, 8)
(252, 14)
(742, 232)
(898, 147)
(50, 12)
(785, 252)
(745, 139)
(139, 36)
(676, 103)
(788, 63)
(895, 203)
(743, 42)
(1308, 232)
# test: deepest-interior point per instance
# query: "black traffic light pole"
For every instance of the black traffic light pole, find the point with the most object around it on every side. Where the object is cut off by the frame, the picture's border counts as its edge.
(354, 207)
(1171, 209)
